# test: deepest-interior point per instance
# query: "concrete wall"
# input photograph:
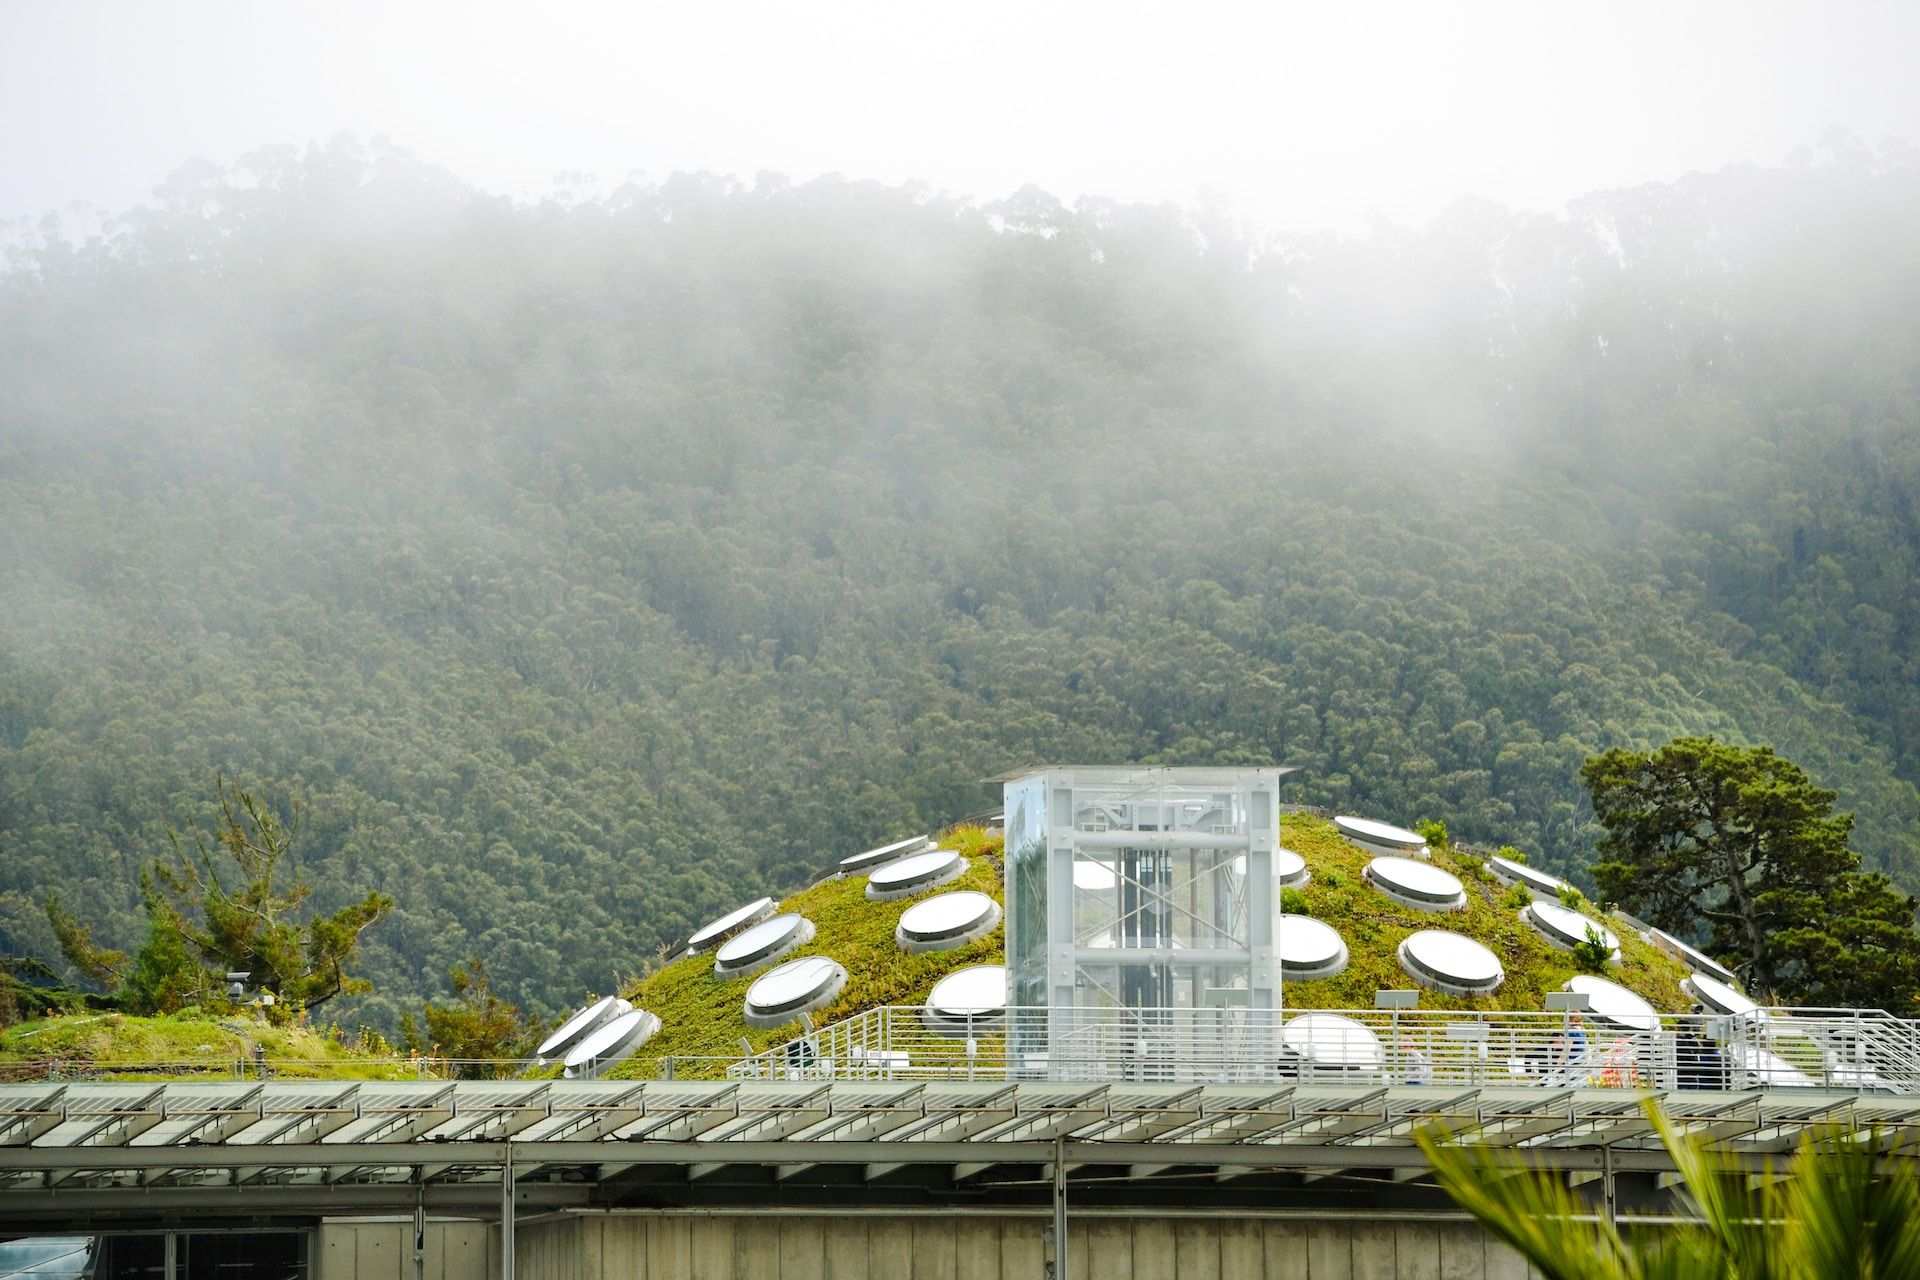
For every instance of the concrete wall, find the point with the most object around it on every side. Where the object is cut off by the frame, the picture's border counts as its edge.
(382, 1249)
(951, 1246)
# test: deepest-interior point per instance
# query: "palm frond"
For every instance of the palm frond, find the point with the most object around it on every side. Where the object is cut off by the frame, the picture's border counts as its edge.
(1529, 1209)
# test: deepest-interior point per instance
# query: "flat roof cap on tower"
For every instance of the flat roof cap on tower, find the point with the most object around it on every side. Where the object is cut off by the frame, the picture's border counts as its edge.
(1138, 774)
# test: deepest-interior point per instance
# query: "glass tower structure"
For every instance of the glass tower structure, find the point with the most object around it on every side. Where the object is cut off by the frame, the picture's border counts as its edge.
(1145, 892)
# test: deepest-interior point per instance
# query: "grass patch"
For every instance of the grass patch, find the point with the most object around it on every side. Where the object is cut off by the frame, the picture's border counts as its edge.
(184, 1046)
(701, 1015)
(1374, 927)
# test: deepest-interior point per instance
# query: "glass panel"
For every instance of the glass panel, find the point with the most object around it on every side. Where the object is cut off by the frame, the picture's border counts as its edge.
(1026, 861)
(132, 1258)
(1141, 898)
(47, 1257)
(253, 1255)
(261, 1255)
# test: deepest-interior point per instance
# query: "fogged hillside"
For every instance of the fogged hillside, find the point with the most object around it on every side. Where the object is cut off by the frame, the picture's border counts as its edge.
(585, 569)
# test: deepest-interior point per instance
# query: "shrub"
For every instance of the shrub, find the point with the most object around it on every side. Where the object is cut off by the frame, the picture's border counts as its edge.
(372, 1044)
(1512, 854)
(1592, 954)
(1294, 902)
(1571, 898)
(1433, 831)
(1516, 897)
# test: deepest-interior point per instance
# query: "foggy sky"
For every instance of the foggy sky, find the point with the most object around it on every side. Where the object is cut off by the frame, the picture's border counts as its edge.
(1303, 116)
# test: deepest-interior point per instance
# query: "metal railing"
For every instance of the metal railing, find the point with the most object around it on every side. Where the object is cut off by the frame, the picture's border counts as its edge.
(1864, 1050)
(58, 1069)
(1777, 1048)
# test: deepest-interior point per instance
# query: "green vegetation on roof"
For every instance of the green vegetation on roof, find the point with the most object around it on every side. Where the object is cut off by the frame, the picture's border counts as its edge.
(1374, 926)
(701, 1015)
(183, 1045)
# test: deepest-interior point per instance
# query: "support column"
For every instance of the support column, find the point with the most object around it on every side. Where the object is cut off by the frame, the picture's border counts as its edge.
(1057, 1265)
(506, 1212)
(419, 1229)
(1606, 1184)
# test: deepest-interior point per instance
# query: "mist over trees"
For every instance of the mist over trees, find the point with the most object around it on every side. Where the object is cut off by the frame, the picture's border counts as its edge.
(588, 567)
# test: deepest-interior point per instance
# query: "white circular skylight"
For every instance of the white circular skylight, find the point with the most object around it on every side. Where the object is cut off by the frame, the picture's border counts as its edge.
(1290, 869)
(1451, 962)
(761, 945)
(580, 1024)
(1721, 998)
(947, 921)
(1380, 837)
(1698, 959)
(967, 999)
(1508, 871)
(1417, 884)
(1309, 948)
(797, 987)
(1564, 927)
(1612, 1003)
(1332, 1041)
(885, 853)
(729, 923)
(1769, 1068)
(610, 1043)
(914, 873)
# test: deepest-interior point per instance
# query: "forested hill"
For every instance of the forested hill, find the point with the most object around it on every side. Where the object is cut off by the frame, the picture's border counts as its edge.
(587, 567)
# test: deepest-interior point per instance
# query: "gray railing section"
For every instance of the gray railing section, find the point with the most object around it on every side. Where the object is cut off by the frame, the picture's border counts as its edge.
(1859, 1050)
(423, 1067)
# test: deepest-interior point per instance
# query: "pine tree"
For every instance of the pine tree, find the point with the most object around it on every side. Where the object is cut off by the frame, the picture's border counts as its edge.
(1738, 844)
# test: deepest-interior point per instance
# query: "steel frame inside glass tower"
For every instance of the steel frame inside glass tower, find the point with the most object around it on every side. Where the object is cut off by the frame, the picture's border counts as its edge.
(1148, 890)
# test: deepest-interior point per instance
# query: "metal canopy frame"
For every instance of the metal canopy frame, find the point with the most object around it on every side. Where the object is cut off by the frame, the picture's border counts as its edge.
(294, 1150)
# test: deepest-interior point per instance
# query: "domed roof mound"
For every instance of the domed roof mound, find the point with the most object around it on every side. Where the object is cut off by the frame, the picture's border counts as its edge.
(1361, 930)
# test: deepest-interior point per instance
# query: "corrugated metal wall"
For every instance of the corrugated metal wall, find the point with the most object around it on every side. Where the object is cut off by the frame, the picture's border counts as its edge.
(382, 1249)
(948, 1246)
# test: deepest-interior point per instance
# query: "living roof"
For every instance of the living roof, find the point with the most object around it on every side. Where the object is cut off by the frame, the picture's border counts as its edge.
(702, 1015)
